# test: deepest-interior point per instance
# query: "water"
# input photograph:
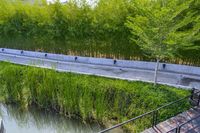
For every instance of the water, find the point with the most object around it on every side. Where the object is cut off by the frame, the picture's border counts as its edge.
(36, 121)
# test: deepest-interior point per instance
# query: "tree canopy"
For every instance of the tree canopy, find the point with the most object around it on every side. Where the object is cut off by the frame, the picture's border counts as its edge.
(162, 27)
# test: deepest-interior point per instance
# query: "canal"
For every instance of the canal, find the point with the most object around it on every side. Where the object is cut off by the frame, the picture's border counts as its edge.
(37, 121)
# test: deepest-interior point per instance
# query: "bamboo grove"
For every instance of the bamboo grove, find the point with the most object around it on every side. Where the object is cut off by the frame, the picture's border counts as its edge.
(78, 28)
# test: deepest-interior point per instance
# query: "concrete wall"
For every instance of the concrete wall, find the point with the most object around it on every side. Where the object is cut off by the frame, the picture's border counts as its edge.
(109, 62)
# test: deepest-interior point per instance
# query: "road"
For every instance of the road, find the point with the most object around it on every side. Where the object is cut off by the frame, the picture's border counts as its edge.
(133, 74)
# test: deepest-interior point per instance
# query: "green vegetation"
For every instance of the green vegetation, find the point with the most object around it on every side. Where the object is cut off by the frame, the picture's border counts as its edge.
(122, 29)
(86, 97)
(159, 33)
(99, 31)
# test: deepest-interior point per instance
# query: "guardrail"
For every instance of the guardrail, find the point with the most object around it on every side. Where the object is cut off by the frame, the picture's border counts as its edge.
(155, 113)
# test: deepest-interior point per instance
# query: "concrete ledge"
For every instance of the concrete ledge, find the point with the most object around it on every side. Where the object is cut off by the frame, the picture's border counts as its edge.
(182, 69)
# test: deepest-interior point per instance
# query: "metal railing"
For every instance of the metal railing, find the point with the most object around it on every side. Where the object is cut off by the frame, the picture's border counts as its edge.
(155, 113)
(178, 128)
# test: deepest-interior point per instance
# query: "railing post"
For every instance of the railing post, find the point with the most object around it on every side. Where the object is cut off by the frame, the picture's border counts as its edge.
(198, 100)
(155, 118)
(178, 129)
(192, 94)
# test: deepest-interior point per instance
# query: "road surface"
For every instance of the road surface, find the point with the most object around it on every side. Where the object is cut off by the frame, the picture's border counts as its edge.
(133, 74)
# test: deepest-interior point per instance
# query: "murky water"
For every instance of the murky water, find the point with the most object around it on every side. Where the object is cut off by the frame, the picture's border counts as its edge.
(35, 121)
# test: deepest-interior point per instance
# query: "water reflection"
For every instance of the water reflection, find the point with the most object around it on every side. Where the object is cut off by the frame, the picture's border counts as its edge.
(35, 121)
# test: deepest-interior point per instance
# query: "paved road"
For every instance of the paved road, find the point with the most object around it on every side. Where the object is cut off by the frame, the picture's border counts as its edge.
(169, 78)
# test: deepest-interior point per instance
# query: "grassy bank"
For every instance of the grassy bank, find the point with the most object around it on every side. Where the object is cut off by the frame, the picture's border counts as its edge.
(87, 97)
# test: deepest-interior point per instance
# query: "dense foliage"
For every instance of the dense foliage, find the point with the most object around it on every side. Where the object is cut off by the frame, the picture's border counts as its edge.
(159, 27)
(80, 29)
(88, 97)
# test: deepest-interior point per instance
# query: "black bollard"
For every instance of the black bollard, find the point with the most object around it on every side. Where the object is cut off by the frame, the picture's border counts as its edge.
(76, 58)
(164, 66)
(115, 61)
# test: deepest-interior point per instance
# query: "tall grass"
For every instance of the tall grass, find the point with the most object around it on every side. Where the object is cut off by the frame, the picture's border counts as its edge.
(76, 29)
(86, 97)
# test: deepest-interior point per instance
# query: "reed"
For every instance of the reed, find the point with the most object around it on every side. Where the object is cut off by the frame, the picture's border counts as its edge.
(90, 98)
